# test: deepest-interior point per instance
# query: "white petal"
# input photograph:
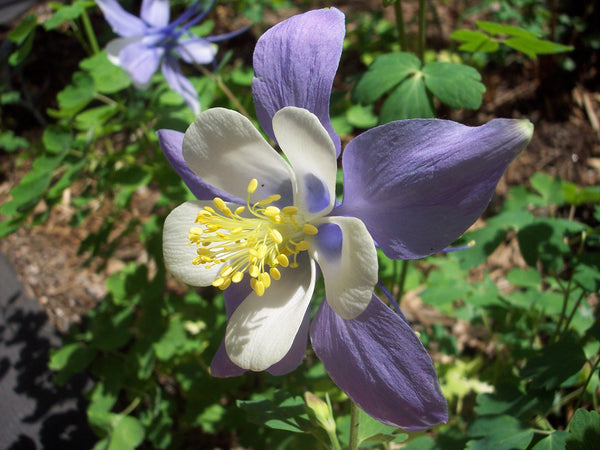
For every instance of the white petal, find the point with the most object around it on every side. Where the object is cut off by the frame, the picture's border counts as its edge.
(311, 153)
(176, 251)
(224, 149)
(262, 329)
(347, 257)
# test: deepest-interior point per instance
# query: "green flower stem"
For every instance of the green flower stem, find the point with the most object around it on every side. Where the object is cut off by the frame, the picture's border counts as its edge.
(566, 294)
(570, 318)
(401, 280)
(217, 79)
(354, 426)
(422, 23)
(400, 26)
(587, 381)
(89, 31)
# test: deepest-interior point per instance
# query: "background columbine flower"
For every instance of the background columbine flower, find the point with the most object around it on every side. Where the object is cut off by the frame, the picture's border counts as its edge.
(416, 185)
(150, 41)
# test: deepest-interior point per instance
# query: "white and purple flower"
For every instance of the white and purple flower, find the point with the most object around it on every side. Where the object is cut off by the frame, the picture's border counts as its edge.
(150, 41)
(262, 225)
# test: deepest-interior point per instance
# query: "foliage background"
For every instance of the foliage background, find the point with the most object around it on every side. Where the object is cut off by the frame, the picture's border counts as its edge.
(511, 324)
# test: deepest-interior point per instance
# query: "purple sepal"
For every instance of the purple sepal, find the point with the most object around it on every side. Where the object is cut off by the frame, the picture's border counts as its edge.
(123, 23)
(419, 184)
(378, 360)
(171, 142)
(155, 12)
(294, 65)
(179, 83)
(140, 60)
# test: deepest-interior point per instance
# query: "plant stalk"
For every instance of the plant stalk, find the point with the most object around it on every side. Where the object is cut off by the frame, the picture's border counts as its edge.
(354, 426)
(422, 23)
(400, 26)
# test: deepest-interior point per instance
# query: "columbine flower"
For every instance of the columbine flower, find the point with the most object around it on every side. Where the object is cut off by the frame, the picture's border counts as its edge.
(150, 40)
(260, 225)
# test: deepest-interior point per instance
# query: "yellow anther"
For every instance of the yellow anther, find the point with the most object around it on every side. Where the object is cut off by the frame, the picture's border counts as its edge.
(276, 236)
(271, 211)
(262, 251)
(265, 279)
(294, 265)
(290, 210)
(225, 284)
(259, 288)
(239, 210)
(302, 245)
(310, 229)
(209, 209)
(283, 260)
(218, 282)
(196, 230)
(203, 251)
(220, 204)
(237, 277)
(253, 271)
(252, 186)
(226, 271)
(236, 230)
(275, 273)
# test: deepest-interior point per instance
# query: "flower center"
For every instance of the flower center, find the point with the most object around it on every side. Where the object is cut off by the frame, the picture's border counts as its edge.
(257, 244)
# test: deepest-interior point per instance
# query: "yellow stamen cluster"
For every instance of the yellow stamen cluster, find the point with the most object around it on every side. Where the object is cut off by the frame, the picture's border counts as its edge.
(256, 243)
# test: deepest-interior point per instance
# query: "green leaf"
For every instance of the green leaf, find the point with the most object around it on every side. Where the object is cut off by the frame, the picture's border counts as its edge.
(383, 74)
(94, 118)
(475, 41)
(372, 430)
(9, 142)
(524, 278)
(549, 188)
(499, 433)
(23, 50)
(532, 47)
(576, 195)
(108, 77)
(23, 29)
(173, 339)
(509, 400)
(497, 28)
(585, 430)
(555, 441)
(288, 414)
(408, 101)
(57, 138)
(70, 360)
(456, 85)
(127, 433)
(554, 364)
(361, 116)
(487, 240)
(111, 329)
(76, 95)
(65, 13)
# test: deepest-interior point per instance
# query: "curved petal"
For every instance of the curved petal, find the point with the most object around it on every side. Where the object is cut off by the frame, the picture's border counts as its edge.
(140, 61)
(224, 149)
(221, 366)
(122, 22)
(311, 153)
(419, 184)
(262, 330)
(155, 12)
(294, 65)
(176, 251)
(179, 83)
(380, 363)
(171, 143)
(196, 50)
(347, 257)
